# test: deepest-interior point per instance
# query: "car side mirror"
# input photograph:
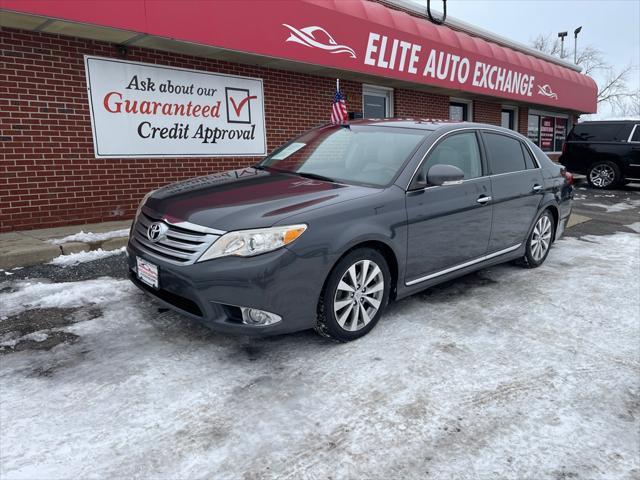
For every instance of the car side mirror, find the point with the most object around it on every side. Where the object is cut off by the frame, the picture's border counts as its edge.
(442, 174)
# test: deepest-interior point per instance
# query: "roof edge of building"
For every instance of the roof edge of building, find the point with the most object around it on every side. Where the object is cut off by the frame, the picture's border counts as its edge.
(411, 6)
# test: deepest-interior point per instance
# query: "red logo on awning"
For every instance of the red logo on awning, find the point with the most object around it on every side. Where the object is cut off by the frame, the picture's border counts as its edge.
(317, 37)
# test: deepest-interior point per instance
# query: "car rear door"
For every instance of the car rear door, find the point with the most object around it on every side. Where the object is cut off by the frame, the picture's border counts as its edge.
(448, 224)
(517, 188)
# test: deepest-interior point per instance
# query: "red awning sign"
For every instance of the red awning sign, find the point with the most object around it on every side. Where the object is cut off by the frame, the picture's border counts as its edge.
(354, 35)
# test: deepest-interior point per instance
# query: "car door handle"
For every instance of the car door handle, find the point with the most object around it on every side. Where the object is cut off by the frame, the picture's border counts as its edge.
(483, 199)
(537, 188)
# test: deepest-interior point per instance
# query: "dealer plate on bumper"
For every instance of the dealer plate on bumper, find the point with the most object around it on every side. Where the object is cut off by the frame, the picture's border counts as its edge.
(147, 272)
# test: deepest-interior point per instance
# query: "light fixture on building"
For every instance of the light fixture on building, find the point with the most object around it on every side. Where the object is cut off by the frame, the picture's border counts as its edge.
(575, 43)
(561, 36)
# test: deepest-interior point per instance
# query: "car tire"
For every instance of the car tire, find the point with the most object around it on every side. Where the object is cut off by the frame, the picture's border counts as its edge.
(603, 175)
(350, 306)
(539, 240)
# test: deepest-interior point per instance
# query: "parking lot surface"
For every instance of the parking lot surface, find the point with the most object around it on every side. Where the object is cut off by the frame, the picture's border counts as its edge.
(505, 373)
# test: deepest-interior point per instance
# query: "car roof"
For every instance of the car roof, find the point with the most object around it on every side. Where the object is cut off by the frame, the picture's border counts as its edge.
(430, 124)
(606, 122)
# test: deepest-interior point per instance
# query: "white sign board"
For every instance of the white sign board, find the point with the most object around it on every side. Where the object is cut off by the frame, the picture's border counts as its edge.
(144, 110)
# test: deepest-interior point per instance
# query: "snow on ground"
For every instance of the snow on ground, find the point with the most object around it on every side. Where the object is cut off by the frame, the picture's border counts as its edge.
(37, 294)
(617, 207)
(635, 226)
(90, 236)
(85, 256)
(507, 373)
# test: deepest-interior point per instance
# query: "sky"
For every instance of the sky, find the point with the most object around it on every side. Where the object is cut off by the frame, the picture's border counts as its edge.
(613, 26)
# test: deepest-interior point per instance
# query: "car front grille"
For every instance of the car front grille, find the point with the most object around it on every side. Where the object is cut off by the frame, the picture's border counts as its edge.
(183, 243)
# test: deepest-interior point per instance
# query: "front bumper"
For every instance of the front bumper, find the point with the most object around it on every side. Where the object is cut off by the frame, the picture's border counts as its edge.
(280, 282)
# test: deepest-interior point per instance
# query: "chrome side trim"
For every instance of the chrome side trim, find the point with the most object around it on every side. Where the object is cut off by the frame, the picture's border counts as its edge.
(462, 265)
(633, 130)
(509, 133)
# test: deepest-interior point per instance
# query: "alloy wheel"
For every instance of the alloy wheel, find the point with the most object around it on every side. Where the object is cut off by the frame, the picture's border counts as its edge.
(602, 175)
(541, 238)
(358, 295)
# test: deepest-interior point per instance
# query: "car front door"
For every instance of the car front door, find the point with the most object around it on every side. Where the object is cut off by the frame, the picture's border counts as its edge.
(448, 225)
(517, 188)
(633, 166)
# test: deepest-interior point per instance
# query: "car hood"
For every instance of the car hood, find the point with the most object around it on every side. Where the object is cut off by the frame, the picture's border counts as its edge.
(247, 198)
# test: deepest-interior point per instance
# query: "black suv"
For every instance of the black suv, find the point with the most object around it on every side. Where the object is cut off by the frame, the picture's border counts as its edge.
(607, 152)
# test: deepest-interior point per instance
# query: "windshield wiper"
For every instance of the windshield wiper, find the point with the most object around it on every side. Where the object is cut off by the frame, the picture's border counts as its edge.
(315, 176)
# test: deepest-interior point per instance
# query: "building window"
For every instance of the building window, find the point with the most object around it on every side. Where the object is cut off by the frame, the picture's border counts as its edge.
(547, 130)
(509, 118)
(377, 102)
(561, 133)
(460, 110)
(533, 129)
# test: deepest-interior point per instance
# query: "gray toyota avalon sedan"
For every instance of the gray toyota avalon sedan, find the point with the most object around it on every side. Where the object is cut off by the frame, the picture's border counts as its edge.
(333, 225)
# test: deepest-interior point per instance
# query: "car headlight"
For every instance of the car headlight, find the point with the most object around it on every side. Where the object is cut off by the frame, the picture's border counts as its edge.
(143, 201)
(246, 243)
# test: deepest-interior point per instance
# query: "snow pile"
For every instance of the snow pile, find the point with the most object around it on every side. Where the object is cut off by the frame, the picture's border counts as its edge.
(90, 236)
(35, 336)
(84, 256)
(30, 295)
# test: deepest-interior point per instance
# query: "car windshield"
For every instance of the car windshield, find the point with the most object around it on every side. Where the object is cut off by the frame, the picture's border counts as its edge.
(358, 154)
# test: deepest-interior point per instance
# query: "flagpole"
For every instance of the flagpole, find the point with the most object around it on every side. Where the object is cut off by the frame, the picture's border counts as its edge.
(337, 84)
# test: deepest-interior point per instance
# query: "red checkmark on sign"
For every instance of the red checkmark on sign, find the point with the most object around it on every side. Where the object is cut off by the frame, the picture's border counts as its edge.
(238, 107)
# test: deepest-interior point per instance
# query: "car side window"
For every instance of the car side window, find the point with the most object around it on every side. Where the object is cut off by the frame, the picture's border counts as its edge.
(528, 158)
(504, 153)
(460, 150)
(636, 134)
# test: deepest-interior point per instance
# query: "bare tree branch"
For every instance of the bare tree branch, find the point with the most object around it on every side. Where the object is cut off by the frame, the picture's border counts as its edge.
(613, 88)
(547, 44)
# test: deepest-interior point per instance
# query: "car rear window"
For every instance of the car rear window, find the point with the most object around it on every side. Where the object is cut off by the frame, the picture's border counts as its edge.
(606, 132)
(505, 153)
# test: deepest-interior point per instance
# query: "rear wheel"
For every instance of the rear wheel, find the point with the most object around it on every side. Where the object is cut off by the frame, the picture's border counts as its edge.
(539, 241)
(604, 175)
(355, 295)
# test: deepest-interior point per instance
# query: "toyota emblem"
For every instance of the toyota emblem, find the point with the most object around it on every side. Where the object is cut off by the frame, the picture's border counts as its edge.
(157, 231)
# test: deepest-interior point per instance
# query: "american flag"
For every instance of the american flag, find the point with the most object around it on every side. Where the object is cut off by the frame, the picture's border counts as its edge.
(339, 111)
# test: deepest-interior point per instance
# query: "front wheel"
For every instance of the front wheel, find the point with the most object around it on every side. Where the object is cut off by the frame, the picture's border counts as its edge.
(539, 241)
(355, 295)
(604, 175)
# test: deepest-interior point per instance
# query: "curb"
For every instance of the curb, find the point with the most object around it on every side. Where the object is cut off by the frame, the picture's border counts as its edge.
(31, 253)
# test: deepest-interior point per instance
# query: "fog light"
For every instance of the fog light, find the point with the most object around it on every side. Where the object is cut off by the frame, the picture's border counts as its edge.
(253, 316)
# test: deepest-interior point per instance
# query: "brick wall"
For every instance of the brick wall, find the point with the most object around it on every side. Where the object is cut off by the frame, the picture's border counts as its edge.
(523, 120)
(487, 112)
(412, 103)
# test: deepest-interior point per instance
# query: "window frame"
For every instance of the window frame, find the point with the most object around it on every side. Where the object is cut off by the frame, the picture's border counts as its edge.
(515, 115)
(464, 102)
(633, 131)
(380, 92)
(483, 165)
